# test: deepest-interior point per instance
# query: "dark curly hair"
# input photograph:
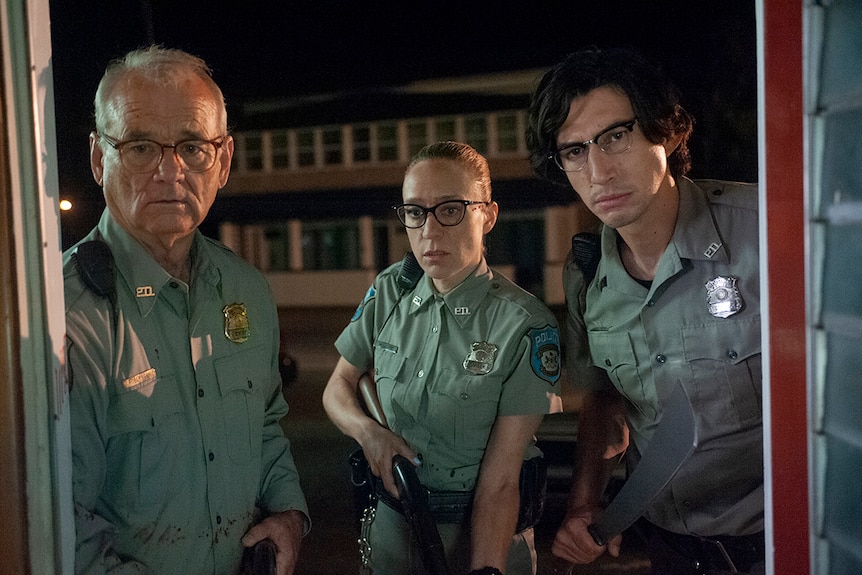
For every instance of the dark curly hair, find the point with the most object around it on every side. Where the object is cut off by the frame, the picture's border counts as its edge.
(654, 99)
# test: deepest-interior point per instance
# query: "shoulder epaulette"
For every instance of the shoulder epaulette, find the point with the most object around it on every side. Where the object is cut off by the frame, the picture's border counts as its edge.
(735, 194)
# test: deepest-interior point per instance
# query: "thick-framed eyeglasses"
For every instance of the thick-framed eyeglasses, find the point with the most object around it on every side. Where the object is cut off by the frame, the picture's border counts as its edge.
(142, 156)
(615, 139)
(448, 213)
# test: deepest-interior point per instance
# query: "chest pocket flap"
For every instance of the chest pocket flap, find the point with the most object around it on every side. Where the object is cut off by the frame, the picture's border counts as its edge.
(243, 381)
(611, 350)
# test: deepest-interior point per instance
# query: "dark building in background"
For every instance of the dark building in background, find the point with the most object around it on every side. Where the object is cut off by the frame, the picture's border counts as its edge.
(311, 192)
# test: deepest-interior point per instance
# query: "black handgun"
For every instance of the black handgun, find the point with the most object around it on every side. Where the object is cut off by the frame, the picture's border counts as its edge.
(417, 510)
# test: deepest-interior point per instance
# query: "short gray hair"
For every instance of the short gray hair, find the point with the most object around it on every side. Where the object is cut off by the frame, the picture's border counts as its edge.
(157, 64)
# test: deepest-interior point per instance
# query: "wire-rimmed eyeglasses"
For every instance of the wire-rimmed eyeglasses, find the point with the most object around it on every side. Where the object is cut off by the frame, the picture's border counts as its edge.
(145, 155)
(614, 139)
(448, 213)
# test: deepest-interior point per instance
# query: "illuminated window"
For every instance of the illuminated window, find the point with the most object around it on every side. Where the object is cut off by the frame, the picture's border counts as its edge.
(278, 239)
(361, 144)
(387, 142)
(446, 129)
(280, 156)
(305, 147)
(253, 151)
(507, 133)
(476, 129)
(417, 136)
(332, 152)
(330, 245)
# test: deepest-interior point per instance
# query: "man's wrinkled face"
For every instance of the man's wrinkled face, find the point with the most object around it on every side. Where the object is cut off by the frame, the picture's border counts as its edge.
(168, 202)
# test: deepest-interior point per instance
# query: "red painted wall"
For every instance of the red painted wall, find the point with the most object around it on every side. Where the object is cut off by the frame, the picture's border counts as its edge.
(785, 177)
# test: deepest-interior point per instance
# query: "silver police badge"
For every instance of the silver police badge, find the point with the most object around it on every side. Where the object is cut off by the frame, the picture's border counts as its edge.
(723, 296)
(480, 360)
(236, 322)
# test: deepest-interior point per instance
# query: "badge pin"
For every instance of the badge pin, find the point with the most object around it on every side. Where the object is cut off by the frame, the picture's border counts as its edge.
(712, 249)
(144, 291)
(236, 322)
(480, 360)
(462, 310)
(417, 300)
(723, 297)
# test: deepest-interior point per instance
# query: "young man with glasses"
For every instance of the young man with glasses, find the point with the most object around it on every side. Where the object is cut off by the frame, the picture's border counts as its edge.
(466, 365)
(669, 292)
(179, 459)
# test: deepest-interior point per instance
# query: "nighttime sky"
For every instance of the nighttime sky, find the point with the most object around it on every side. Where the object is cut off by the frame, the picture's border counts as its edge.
(291, 48)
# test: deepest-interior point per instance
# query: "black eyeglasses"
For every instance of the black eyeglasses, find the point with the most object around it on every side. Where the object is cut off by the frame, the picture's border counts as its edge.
(615, 139)
(142, 156)
(448, 213)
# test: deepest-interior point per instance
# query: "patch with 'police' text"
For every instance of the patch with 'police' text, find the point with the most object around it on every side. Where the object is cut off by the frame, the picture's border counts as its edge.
(368, 295)
(545, 353)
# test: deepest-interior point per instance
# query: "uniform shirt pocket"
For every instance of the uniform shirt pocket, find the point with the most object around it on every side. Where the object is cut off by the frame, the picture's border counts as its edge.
(614, 352)
(725, 362)
(464, 407)
(145, 442)
(243, 382)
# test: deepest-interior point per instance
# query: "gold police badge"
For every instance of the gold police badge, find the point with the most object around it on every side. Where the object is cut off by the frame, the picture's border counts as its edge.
(723, 297)
(480, 360)
(236, 322)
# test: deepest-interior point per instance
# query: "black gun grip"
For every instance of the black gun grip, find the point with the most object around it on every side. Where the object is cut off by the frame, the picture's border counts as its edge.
(417, 510)
(410, 490)
(260, 559)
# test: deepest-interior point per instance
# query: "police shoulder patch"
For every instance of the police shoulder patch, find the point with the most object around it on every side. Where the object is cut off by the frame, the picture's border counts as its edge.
(545, 353)
(368, 296)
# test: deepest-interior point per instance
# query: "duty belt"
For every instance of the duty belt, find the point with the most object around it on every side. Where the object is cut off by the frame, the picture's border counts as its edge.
(725, 552)
(455, 506)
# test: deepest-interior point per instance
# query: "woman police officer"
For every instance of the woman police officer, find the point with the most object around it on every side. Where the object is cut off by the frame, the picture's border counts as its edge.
(466, 365)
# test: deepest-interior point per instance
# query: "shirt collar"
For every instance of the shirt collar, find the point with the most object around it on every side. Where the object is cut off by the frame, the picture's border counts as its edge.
(462, 302)
(142, 275)
(695, 237)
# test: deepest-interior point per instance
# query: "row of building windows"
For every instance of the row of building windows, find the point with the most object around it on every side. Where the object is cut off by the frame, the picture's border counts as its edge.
(495, 134)
(337, 245)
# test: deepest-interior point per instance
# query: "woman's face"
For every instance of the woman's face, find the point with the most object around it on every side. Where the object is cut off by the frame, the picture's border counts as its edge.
(448, 254)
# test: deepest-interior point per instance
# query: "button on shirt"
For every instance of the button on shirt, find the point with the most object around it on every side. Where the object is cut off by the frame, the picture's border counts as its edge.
(176, 434)
(646, 339)
(447, 365)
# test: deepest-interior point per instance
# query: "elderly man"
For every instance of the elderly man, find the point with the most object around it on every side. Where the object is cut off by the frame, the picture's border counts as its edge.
(180, 462)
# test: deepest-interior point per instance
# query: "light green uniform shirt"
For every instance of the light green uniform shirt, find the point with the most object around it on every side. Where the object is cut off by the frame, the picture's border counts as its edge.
(176, 437)
(646, 339)
(447, 365)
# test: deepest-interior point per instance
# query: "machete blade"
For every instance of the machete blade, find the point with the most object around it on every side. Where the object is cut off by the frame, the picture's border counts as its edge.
(675, 438)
